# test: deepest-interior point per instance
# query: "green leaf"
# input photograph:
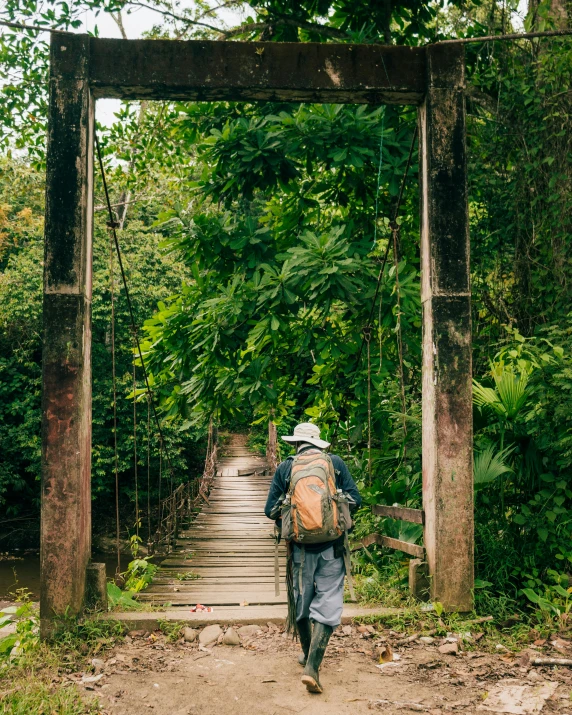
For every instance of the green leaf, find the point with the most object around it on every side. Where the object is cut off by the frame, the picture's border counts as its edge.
(438, 608)
(482, 584)
(531, 595)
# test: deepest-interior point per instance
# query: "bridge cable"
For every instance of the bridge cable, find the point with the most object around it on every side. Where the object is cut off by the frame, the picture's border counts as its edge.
(149, 527)
(386, 254)
(112, 224)
(135, 451)
(114, 384)
(366, 332)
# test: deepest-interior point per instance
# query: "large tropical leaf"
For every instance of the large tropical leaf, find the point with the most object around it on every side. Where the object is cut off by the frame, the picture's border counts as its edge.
(512, 389)
(509, 395)
(489, 464)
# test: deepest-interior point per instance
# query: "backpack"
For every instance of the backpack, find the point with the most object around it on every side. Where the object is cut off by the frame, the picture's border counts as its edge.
(312, 512)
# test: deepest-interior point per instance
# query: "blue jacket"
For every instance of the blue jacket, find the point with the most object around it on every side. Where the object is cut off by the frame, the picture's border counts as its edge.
(281, 479)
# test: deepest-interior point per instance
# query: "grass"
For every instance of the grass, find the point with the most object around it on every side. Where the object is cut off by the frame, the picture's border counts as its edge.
(171, 629)
(513, 632)
(382, 584)
(29, 689)
(32, 682)
(512, 626)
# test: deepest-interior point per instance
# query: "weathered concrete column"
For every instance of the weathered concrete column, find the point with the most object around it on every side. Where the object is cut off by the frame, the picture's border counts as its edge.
(66, 396)
(445, 295)
(96, 587)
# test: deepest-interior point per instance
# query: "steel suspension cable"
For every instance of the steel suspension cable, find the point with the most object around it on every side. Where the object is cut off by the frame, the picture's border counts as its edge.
(395, 232)
(369, 465)
(114, 383)
(379, 165)
(112, 226)
(386, 254)
(149, 540)
(135, 451)
(160, 525)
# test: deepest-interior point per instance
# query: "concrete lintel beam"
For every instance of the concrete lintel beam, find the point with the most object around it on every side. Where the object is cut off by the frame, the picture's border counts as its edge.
(252, 71)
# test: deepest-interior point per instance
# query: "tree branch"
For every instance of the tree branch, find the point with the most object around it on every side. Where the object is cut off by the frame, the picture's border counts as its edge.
(229, 3)
(118, 18)
(179, 18)
(302, 24)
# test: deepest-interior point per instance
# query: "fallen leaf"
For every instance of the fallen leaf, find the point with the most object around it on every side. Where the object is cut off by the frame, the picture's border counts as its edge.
(560, 645)
(449, 648)
(384, 654)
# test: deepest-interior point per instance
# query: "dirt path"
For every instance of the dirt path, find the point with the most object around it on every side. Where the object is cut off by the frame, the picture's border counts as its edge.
(261, 676)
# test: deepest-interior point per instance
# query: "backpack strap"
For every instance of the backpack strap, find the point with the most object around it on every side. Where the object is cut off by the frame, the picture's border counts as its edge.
(290, 461)
(277, 534)
(301, 569)
(348, 565)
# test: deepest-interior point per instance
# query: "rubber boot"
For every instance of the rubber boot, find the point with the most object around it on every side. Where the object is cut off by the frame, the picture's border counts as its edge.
(305, 633)
(320, 637)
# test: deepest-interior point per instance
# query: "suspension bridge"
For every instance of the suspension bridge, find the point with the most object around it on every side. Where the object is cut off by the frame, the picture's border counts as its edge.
(226, 556)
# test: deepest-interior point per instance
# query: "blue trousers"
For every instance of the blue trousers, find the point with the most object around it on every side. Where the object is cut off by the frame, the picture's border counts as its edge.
(319, 590)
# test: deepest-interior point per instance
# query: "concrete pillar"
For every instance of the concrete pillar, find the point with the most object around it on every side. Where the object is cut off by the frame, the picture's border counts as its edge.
(445, 295)
(66, 395)
(419, 584)
(96, 587)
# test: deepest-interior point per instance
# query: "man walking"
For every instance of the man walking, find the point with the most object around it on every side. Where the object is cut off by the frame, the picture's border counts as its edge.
(311, 496)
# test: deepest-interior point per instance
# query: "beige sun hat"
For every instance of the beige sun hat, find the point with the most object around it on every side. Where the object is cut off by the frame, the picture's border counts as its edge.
(307, 432)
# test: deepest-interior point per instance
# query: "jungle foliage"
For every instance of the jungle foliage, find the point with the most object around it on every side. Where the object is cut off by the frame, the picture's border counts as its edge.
(255, 237)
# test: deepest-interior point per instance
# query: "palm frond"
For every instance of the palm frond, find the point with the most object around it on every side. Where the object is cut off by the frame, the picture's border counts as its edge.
(509, 395)
(487, 398)
(489, 464)
(511, 388)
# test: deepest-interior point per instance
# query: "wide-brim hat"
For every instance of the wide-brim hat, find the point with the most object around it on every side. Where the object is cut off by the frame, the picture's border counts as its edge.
(307, 432)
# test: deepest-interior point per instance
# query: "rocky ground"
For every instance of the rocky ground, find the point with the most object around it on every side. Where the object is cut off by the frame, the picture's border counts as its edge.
(253, 670)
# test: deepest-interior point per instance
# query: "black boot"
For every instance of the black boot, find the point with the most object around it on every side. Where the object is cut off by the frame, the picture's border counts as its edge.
(320, 637)
(305, 633)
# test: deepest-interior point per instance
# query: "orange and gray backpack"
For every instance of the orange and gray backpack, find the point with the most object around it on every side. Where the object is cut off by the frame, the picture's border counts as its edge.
(314, 510)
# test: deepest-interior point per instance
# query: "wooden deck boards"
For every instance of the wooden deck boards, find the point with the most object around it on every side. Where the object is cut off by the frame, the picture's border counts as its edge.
(229, 545)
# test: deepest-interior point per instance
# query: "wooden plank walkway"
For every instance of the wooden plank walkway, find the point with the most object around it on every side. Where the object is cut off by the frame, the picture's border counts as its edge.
(229, 547)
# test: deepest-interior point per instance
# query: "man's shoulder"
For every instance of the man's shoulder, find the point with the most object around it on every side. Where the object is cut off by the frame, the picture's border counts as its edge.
(337, 460)
(284, 465)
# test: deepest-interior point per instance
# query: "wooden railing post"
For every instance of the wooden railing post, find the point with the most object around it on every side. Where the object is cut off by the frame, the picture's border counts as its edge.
(272, 447)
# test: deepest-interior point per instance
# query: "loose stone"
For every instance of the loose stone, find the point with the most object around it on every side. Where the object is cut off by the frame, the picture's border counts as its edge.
(210, 634)
(231, 637)
(248, 631)
(190, 635)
